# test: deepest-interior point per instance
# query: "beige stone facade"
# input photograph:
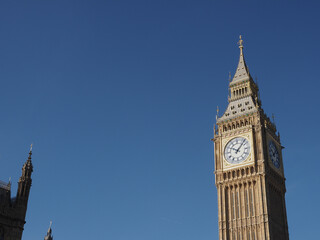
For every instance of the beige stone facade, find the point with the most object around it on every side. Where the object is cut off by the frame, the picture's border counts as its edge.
(249, 172)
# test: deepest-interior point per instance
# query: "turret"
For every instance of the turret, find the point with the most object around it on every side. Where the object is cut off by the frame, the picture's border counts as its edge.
(13, 210)
(25, 182)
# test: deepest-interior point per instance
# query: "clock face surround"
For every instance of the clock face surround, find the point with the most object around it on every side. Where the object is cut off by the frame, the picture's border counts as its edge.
(274, 154)
(237, 150)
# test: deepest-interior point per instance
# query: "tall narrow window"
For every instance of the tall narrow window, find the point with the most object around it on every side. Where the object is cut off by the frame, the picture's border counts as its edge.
(237, 204)
(227, 201)
(251, 202)
(247, 202)
(232, 206)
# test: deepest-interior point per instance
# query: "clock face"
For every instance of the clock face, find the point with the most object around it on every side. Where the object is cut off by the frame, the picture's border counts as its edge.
(237, 150)
(274, 154)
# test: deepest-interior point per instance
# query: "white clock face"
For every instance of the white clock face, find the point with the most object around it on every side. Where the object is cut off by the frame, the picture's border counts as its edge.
(274, 154)
(237, 150)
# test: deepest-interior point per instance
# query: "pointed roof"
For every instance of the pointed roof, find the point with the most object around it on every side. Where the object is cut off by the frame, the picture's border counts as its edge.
(242, 72)
(239, 107)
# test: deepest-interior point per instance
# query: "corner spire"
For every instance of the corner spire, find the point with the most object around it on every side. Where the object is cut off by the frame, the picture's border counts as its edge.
(30, 152)
(49, 229)
(49, 233)
(242, 72)
(27, 168)
(25, 181)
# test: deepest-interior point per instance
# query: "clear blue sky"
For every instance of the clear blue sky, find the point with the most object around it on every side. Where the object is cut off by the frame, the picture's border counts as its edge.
(119, 98)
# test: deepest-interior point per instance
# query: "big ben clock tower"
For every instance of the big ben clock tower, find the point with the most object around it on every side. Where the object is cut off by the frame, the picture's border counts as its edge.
(249, 172)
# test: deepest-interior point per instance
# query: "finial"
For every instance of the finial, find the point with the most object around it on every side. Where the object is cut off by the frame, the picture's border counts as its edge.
(49, 233)
(49, 229)
(240, 42)
(217, 113)
(230, 77)
(30, 152)
(9, 179)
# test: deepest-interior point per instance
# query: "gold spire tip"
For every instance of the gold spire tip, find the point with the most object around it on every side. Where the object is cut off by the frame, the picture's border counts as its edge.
(31, 147)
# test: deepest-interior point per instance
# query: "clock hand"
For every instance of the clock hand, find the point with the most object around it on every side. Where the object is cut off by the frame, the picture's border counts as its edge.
(240, 145)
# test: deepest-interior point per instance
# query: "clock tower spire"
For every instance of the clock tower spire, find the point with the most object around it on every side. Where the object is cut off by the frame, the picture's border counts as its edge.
(242, 83)
(249, 171)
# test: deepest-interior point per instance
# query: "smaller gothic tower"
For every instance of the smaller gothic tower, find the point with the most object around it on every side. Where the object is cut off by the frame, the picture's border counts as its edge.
(49, 233)
(24, 185)
(13, 210)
